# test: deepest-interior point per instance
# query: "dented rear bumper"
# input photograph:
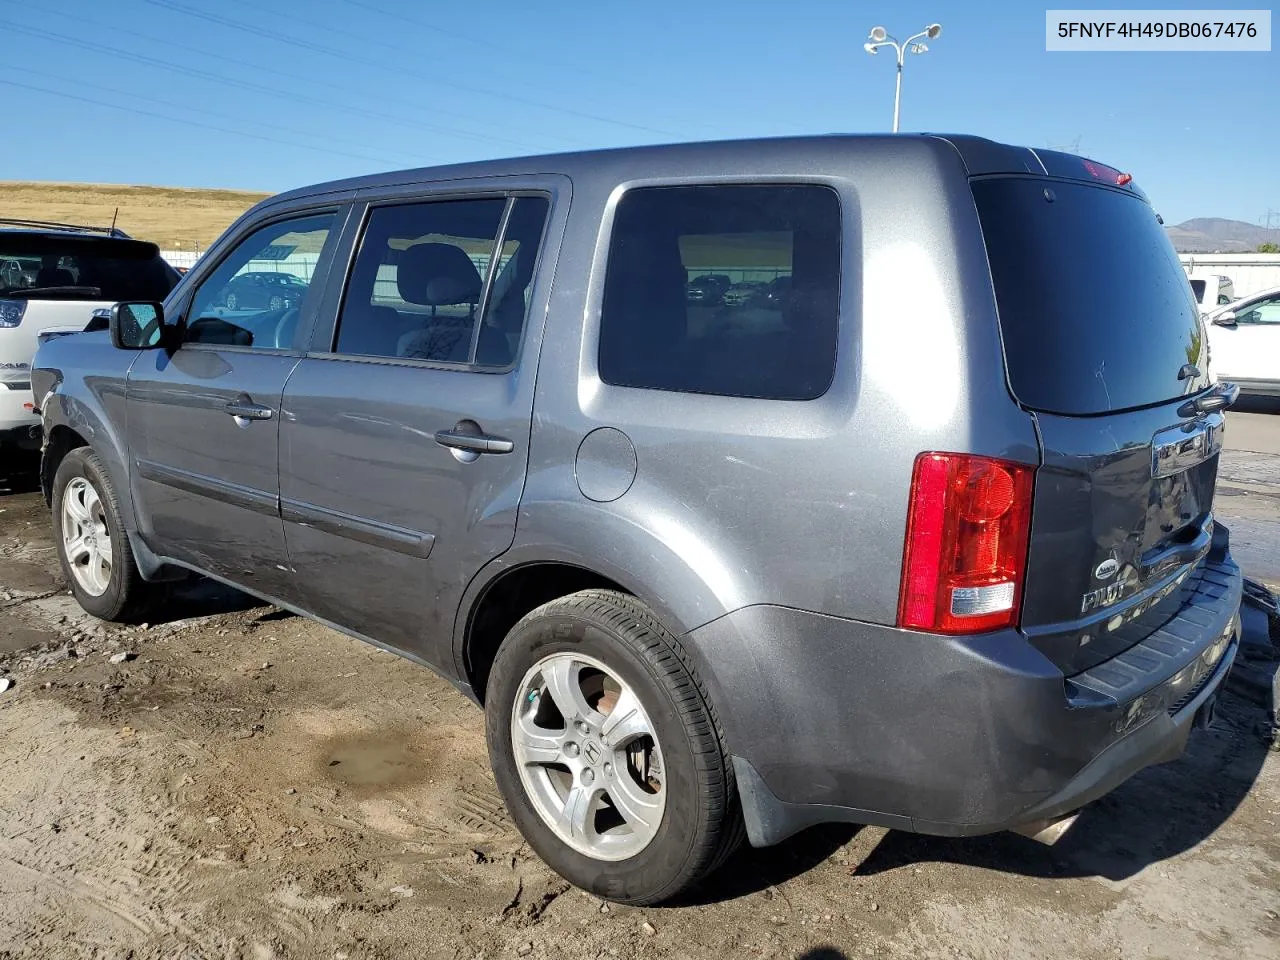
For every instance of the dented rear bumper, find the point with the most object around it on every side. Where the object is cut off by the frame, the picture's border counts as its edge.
(829, 719)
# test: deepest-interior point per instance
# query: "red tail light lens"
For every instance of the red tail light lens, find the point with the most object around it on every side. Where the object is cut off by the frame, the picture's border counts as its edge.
(1100, 171)
(965, 557)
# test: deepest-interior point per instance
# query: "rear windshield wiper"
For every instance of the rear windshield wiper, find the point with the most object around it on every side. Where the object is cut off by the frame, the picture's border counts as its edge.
(29, 291)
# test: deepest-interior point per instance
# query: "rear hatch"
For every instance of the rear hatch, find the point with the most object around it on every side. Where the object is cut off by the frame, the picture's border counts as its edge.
(1105, 346)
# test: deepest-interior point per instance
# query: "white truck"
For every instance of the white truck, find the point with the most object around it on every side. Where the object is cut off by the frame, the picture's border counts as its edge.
(1212, 291)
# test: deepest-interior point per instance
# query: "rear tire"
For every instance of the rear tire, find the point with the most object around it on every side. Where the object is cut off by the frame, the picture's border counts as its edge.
(92, 546)
(676, 816)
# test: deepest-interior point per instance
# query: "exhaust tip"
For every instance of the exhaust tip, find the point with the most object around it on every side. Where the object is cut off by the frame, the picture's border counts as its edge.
(1049, 831)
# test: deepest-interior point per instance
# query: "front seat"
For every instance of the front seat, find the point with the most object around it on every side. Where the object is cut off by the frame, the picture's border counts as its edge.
(439, 275)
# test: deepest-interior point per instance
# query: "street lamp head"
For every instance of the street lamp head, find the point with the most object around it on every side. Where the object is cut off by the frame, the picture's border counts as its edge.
(871, 48)
(933, 31)
(878, 34)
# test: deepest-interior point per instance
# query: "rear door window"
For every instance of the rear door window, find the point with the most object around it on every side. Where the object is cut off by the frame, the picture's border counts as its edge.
(727, 290)
(1095, 309)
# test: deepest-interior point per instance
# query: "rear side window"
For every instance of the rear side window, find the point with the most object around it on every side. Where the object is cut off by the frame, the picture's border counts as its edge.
(1197, 287)
(55, 267)
(1095, 309)
(727, 290)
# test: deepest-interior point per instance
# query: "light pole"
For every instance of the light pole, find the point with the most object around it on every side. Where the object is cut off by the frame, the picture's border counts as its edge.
(879, 37)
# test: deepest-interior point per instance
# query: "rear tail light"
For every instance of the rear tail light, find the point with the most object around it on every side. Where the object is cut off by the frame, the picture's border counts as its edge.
(968, 525)
(11, 312)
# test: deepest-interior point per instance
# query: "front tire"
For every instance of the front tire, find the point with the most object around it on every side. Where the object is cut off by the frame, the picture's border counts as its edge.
(93, 548)
(607, 751)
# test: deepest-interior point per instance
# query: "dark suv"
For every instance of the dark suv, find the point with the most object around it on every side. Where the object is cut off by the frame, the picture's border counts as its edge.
(944, 562)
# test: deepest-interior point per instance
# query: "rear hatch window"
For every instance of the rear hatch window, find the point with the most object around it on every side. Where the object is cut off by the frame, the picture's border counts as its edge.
(1095, 309)
(56, 267)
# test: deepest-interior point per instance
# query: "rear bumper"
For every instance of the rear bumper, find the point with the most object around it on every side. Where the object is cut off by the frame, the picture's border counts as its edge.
(833, 720)
(18, 425)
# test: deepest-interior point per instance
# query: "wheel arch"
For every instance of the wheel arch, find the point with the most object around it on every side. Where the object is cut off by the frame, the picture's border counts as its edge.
(75, 416)
(59, 442)
(506, 596)
(613, 554)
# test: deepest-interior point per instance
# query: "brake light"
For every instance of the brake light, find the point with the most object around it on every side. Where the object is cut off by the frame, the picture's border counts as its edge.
(11, 312)
(1100, 171)
(965, 556)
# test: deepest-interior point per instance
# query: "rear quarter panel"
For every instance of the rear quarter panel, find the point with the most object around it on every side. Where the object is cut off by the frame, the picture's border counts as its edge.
(802, 504)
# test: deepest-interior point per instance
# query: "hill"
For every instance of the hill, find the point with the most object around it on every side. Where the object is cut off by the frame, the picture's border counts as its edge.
(173, 217)
(1218, 235)
(184, 218)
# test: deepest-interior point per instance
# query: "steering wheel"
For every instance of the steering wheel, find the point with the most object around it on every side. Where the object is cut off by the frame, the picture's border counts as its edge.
(285, 328)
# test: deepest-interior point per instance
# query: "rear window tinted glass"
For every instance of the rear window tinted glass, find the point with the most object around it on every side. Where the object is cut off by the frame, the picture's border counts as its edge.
(1096, 311)
(728, 290)
(39, 266)
(1197, 287)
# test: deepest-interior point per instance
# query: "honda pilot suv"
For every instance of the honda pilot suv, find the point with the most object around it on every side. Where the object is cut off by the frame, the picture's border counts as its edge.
(944, 563)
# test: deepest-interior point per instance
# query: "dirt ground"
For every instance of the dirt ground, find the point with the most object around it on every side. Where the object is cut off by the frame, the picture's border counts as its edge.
(250, 785)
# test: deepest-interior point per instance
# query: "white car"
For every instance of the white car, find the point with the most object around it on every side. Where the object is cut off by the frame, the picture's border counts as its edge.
(1244, 342)
(1212, 291)
(52, 277)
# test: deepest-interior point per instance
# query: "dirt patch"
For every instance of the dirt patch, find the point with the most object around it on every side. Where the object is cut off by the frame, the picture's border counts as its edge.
(15, 637)
(249, 785)
(376, 761)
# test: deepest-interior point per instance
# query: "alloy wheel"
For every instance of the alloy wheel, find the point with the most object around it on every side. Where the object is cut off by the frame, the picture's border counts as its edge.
(588, 756)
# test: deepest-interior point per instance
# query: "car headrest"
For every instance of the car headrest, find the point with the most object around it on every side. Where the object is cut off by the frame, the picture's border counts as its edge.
(437, 274)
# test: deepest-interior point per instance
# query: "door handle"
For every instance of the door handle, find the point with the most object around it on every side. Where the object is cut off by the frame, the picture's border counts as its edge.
(474, 442)
(1220, 397)
(248, 410)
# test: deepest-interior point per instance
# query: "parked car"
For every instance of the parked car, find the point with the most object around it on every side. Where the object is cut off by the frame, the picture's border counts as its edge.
(1212, 291)
(945, 563)
(777, 291)
(259, 290)
(708, 290)
(1244, 342)
(52, 276)
(743, 294)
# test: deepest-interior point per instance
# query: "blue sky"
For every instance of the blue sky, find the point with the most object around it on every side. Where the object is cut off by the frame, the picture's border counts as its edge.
(280, 93)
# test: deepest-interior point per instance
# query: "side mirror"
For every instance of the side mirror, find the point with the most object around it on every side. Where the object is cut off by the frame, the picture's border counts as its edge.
(137, 325)
(1227, 319)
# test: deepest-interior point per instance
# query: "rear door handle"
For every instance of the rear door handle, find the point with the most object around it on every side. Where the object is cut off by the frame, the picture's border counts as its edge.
(474, 442)
(248, 410)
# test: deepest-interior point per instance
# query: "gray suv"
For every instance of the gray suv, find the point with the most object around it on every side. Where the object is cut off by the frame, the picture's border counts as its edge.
(927, 543)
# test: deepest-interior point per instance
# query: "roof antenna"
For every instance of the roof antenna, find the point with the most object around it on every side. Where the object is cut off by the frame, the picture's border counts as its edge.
(113, 219)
